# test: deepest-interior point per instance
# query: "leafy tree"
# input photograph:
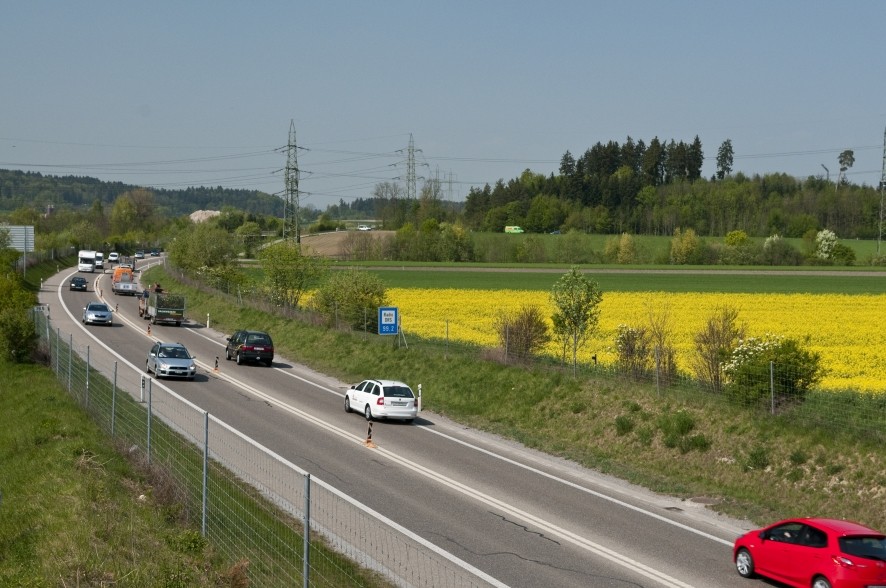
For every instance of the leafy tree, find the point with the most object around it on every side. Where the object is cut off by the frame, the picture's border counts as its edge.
(621, 249)
(205, 246)
(577, 300)
(771, 371)
(124, 217)
(846, 161)
(250, 233)
(352, 296)
(714, 344)
(725, 158)
(289, 273)
(684, 246)
(825, 241)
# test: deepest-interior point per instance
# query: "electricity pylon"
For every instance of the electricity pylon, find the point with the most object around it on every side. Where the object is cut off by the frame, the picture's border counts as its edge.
(291, 226)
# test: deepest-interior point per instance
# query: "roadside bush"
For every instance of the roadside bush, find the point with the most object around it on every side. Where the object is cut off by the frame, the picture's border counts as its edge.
(18, 339)
(621, 249)
(352, 297)
(523, 333)
(714, 345)
(777, 251)
(633, 347)
(794, 370)
(661, 334)
(843, 255)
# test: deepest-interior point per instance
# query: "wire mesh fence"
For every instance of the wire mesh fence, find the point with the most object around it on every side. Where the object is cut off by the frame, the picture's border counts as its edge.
(251, 504)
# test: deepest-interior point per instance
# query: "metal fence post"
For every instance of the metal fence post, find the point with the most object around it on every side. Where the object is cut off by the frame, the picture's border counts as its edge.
(205, 472)
(306, 558)
(657, 373)
(70, 362)
(149, 421)
(772, 386)
(114, 400)
(87, 378)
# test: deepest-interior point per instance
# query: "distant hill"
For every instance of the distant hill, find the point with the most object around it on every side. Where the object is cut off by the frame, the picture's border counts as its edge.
(19, 189)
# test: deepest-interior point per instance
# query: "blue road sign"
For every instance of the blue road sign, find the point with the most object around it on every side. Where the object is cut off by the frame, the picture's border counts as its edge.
(388, 320)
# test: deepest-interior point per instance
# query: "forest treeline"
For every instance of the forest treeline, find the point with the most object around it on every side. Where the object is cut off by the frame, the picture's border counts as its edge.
(613, 188)
(45, 192)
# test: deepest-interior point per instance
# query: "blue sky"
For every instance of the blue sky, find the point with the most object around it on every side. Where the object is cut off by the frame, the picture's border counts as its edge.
(178, 94)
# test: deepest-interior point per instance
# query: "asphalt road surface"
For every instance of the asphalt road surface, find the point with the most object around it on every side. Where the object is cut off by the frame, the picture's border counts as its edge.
(522, 517)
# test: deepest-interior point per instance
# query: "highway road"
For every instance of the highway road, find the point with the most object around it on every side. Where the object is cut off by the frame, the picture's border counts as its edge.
(524, 518)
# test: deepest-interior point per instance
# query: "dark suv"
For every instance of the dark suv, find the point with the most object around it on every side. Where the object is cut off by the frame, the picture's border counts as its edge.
(250, 346)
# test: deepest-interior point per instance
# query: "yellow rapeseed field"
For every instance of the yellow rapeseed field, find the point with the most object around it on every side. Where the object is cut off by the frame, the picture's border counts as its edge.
(847, 330)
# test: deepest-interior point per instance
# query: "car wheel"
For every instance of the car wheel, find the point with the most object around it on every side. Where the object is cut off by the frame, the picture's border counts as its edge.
(227, 354)
(744, 563)
(239, 359)
(147, 369)
(820, 582)
(347, 404)
(270, 363)
(367, 412)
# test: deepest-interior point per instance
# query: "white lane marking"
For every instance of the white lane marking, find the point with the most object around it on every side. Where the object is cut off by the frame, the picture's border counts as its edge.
(571, 484)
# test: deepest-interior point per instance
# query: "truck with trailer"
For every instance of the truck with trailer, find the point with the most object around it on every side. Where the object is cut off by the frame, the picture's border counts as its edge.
(159, 306)
(123, 282)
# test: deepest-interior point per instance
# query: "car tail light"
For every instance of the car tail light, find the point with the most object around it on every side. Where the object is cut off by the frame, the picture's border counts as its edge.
(843, 562)
(380, 401)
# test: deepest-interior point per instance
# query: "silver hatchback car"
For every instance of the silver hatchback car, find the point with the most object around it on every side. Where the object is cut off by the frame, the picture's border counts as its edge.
(171, 360)
(382, 399)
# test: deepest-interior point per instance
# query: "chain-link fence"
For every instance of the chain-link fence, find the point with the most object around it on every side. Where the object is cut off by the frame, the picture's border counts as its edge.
(250, 503)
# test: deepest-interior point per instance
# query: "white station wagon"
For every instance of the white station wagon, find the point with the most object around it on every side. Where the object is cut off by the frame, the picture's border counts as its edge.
(382, 399)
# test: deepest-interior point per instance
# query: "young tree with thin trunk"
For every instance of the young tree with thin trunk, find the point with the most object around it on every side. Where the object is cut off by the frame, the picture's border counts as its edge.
(577, 299)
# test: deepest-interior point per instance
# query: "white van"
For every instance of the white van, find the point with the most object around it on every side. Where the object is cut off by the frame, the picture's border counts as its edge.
(99, 260)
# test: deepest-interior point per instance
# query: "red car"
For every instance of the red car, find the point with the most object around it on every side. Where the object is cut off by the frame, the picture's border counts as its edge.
(814, 553)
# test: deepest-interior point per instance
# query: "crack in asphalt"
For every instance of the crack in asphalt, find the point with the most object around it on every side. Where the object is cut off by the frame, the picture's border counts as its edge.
(588, 576)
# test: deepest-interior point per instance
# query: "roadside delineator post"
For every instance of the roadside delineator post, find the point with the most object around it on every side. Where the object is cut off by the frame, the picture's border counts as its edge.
(216, 364)
(368, 443)
(149, 329)
(117, 307)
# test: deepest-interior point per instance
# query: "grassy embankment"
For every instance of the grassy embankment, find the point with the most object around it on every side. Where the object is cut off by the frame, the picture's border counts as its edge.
(675, 441)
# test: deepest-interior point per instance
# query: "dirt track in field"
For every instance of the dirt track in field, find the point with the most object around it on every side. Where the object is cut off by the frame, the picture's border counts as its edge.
(334, 245)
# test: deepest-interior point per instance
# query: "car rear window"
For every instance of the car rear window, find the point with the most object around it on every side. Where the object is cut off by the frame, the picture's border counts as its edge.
(869, 546)
(398, 392)
(259, 338)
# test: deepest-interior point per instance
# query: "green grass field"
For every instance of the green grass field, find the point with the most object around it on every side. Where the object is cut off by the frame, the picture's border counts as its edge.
(621, 280)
